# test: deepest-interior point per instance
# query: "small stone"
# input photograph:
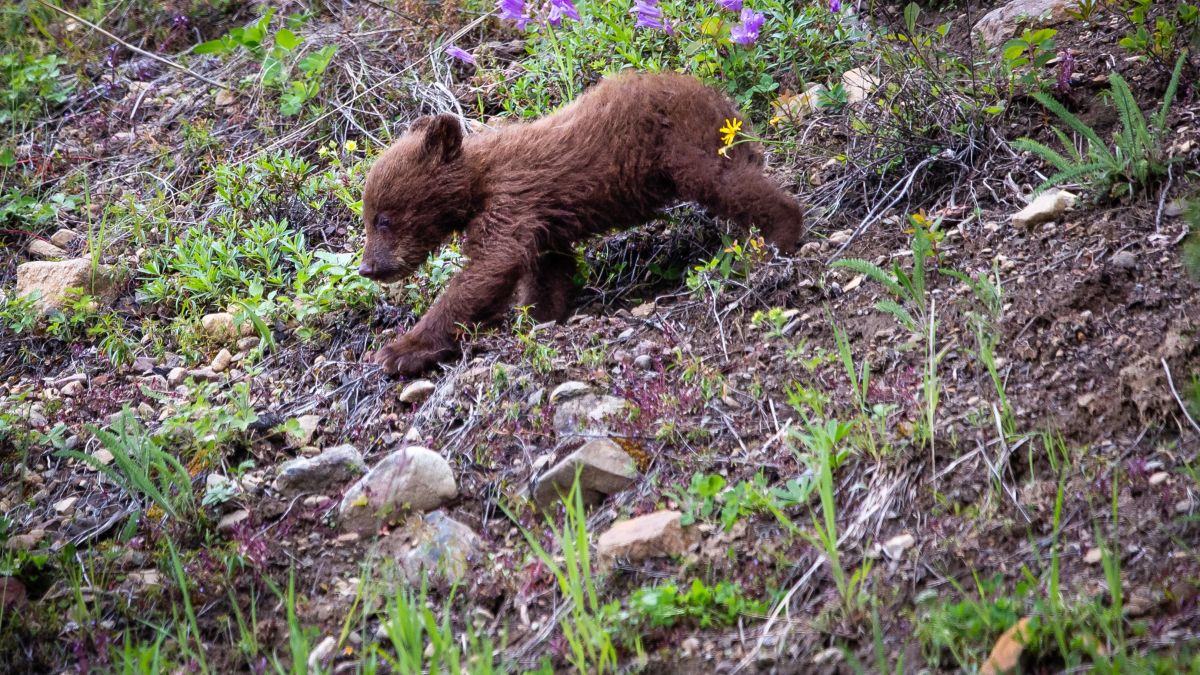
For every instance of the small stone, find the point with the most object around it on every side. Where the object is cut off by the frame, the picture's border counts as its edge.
(432, 544)
(858, 84)
(690, 646)
(326, 472)
(146, 580)
(643, 362)
(230, 521)
(50, 281)
(417, 391)
(64, 505)
(13, 596)
(1046, 207)
(205, 374)
(897, 545)
(226, 98)
(222, 326)
(72, 389)
(64, 237)
(1183, 506)
(306, 428)
(1093, 556)
(44, 250)
(103, 456)
(1085, 400)
(221, 361)
(176, 376)
(658, 534)
(644, 310)
(569, 389)
(588, 415)
(414, 478)
(247, 343)
(25, 542)
(1159, 478)
(143, 365)
(1125, 260)
(603, 469)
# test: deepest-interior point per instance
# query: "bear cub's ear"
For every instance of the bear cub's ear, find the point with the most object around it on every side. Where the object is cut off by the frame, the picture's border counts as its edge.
(443, 135)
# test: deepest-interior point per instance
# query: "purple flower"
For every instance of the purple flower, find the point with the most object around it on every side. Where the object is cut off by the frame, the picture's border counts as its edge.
(460, 54)
(513, 10)
(649, 15)
(746, 32)
(730, 5)
(835, 6)
(561, 8)
(1066, 68)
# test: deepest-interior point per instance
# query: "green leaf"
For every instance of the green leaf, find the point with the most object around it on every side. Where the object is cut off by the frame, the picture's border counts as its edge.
(287, 39)
(6, 158)
(911, 12)
(218, 46)
(316, 62)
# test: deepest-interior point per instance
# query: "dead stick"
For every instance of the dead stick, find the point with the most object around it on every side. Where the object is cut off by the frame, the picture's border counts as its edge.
(1182, 407)
(167, 62)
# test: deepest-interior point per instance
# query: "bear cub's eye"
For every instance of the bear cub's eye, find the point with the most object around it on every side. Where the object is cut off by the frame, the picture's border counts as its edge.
(382, 222)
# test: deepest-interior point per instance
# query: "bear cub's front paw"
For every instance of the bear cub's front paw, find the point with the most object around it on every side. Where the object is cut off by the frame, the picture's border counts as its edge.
(408, 357)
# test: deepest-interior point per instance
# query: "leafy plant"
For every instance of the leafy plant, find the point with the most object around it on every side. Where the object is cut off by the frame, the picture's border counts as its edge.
(707, 606)
(909, 307)
(1029, 55)
(1137, 157)
(586, 627)
(1164, 36)
(277, 61)
(707, 498)
(31, 86)
(142, 467)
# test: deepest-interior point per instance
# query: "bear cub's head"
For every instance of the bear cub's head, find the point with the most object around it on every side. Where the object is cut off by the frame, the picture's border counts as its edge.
(417, 194)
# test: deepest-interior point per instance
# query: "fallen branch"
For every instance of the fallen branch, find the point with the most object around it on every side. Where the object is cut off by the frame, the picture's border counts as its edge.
(1182, 407)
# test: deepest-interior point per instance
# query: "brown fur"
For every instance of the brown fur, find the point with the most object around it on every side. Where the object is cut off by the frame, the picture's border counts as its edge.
(526, 193)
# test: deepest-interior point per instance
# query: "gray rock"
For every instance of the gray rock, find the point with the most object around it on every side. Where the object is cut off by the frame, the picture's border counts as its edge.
(1125, 260)
(51, 281)
(417, 392)
(326, 472)
(64, 237)
(433, 544)
(414, 478)
(176, 376)
(143, 365)
(1005, 22)
(222, 326)
(590, 414)
(568, 390)
(230, 521)
(604, 468)
(44, 250)
(643, 362)
(307, 426)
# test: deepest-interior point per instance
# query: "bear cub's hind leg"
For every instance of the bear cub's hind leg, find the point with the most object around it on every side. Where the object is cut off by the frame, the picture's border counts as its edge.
(549, 288)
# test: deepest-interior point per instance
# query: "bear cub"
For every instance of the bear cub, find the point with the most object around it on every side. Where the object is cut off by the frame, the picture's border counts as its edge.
(525, 194)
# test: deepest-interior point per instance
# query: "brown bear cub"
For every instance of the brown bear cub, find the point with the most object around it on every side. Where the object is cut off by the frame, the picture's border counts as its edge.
(524, 194)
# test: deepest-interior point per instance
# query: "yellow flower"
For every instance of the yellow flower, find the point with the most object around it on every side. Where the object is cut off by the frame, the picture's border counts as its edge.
(775, 120)
(730, 131)
(351, 146)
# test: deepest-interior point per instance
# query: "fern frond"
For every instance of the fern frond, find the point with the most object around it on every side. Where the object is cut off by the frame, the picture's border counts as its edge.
(1070, 119)
(902, 315)
(872, 271)
(1068, 144)
(1047, 153)
(1069, 176)
(1133, 122)
(1160, 119)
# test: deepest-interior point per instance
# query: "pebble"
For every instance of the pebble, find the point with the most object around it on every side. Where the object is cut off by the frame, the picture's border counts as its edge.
(417, 391)
(221, 361)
